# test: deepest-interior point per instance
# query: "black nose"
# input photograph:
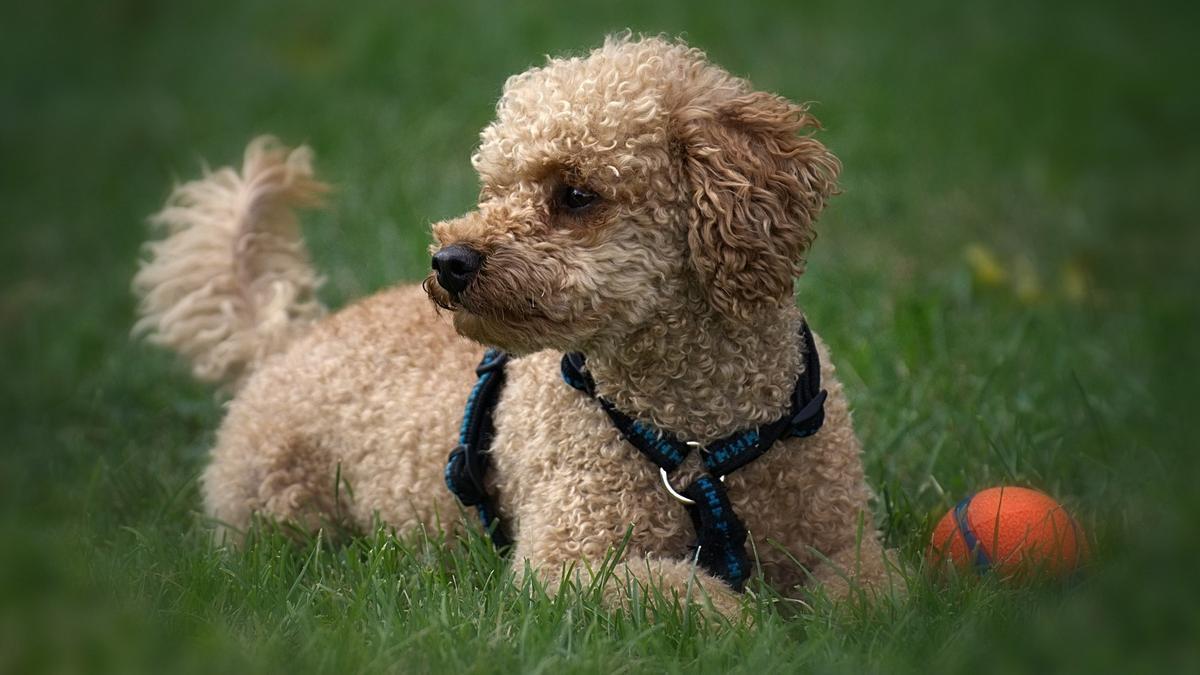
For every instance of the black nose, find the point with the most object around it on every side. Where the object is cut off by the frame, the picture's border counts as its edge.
(456, 266)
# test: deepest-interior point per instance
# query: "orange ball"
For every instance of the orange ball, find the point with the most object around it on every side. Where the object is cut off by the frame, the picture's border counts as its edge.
(1012, 531)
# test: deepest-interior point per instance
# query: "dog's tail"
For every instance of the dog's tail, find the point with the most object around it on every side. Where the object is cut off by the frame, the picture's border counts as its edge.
(230, 281)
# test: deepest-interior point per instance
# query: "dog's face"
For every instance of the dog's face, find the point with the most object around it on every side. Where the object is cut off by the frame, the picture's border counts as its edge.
(612, 185)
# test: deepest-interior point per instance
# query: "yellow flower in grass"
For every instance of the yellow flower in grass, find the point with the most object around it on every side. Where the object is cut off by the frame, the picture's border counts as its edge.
(986, 270)
(1023, 278)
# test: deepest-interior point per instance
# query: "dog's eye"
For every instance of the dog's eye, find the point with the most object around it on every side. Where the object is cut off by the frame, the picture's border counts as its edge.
(575, 199)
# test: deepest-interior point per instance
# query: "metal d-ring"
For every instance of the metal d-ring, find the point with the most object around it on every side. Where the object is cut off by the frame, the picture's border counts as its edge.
(675, 493)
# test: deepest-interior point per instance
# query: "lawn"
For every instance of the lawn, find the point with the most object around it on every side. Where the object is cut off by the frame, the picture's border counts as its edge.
(1007, 283)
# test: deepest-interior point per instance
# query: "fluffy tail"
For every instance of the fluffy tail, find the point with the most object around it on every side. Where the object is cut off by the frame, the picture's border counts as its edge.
(231, 282)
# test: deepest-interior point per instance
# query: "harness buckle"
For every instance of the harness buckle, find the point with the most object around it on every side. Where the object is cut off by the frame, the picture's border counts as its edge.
(682, 499)
(809, 419)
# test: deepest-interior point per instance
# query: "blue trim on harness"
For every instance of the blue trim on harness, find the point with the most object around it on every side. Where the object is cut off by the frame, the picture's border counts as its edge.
(720, 535)
(467, 465)
(658, 442)
(729, 450)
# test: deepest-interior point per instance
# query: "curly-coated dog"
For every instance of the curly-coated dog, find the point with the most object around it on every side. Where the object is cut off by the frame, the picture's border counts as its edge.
(640, 206)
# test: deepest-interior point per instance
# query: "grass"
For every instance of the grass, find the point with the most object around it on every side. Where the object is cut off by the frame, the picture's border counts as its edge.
(1055, 143)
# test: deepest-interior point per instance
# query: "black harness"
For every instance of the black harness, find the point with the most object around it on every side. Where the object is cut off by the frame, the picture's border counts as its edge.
(720, 544)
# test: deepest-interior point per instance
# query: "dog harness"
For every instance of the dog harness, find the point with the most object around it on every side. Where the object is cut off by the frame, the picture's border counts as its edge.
(720, 545)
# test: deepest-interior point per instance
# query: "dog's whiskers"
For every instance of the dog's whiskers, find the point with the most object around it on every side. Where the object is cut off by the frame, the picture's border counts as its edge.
(439, 299)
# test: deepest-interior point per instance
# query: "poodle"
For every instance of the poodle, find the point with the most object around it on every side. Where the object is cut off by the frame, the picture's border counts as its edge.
(640, 207)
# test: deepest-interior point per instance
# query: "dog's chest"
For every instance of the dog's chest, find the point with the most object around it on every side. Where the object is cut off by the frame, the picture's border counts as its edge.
(560, 468)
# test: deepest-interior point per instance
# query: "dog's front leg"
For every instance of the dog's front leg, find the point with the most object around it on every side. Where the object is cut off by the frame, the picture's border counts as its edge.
(634, 580)
(676, 580)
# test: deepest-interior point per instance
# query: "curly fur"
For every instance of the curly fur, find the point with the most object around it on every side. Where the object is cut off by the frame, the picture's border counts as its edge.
(677, 285)
(231, 281)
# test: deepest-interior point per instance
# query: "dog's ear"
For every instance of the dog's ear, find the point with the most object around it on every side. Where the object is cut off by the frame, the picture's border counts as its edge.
(757, 181)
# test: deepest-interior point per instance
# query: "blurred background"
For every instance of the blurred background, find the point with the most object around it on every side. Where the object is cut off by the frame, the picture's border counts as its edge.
(1007, 283)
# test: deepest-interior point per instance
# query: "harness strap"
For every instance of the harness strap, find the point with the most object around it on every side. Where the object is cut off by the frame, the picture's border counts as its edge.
(665, 450)
(720, 534)
(805, 417)
(468, 463)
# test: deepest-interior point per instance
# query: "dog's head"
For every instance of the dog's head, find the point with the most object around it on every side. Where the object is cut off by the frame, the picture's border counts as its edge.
(637, 179)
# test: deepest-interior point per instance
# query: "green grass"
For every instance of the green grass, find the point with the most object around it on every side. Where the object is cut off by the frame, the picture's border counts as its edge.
(1059, 138)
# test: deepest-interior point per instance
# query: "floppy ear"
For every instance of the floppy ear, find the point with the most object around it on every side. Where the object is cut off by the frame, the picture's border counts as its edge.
(756, 184)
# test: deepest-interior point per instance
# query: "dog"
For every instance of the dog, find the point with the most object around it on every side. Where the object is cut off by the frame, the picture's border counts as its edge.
(640, 207)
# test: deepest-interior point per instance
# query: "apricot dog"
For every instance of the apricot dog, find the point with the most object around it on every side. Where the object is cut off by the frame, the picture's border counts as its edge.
(639, 205)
